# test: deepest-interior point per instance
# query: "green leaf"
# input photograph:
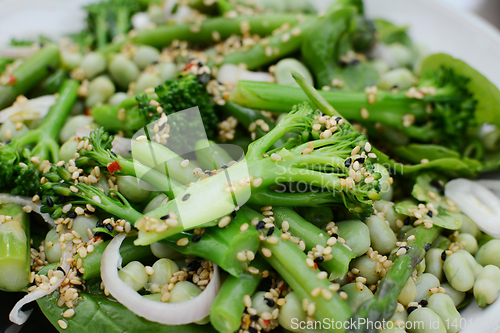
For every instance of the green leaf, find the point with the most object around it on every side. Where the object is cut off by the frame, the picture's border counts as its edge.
(388, 33)
(485, 92)
(414, 153)
(96, 313)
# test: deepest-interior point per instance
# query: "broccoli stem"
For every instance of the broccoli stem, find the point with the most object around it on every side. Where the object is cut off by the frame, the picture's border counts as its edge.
(226, 311)
(128, 251)
(220, 245)
(159, 37)
(287, 259)
(211, 157)
(29, 74)
(280, 45)
(382, 306)
(306, 199)
(312, 236)
(15, 259)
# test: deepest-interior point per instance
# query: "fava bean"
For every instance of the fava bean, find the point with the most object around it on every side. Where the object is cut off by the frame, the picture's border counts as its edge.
(489, 253)
(356, 297)
(382, 237)
(283, 72)
(259, 303)
(356, 235)
(401, 55)
(468, 241)
(398, 319)
(456, 296)
(92, 64)
(145, 55)
(468, 226)
(123, 70)
(160, 250)
(292, 310)
(68, 149)
(134, 274)
(156, 202)
(424, 320)
(458, 272)
(81, 223)
(444, 307)
(393, 330)
(381, 66)
(387, 207)
(386, 189)
(130, 188)
(163, 270)
(434, 263)
(421, 267)
(71, 60)
(424, 284)
(9, 131)
(367, 268)
(409, 292)
(52, 247)
(69, 128)
(146, 80)
(167, 71)
(487, 285)
(102, 183)
(401, 78)
(117, 98)
(100, 90)
(476, 267)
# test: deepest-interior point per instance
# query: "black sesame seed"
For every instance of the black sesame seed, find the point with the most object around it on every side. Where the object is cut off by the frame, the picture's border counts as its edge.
(88, 212)
(78, 286)
(270, 231)
(204, 78)
(270, 303)
(406, 248)
(99, 224)
(267, 283)
(193, 266)
(319, 260)
(7, 142)
(233, 214)
(224, 167)
(196, 238)
(260, 225)
(71, 215)
(354, 62)
(407, 221)
(109, 227)
(200, 64)
(443, 256)
(50, 68)
(395, 86)
(50, 203)
(208, 172)
(245, 311)
(338, 119)
(427, 247)
(113, 153)
(78, 273)
(164, 217)
(411, 309)
(61, 269)
(429, 213)
(423, 302)
(335, 235)
(184, 198)
(254, 318)
(348, 162)
(361, 160)
(438, 186)
(252, 330)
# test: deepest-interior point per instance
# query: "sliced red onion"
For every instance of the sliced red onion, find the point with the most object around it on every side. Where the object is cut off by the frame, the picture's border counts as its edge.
(121, 146)
(477, 202)
(34, 108)
(19, 317)
(24, 201)
(183, 313)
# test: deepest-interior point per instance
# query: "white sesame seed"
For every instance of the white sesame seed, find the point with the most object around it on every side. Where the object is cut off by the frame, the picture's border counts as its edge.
(241, 256)
(316, 291)
(224, 222)
(62, 324)
(322, 275)
(272, 240)
(248, 301)
(185, 163)
(183, 242)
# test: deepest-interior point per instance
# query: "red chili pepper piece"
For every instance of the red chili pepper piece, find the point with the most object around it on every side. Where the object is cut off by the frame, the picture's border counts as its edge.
(113, 167)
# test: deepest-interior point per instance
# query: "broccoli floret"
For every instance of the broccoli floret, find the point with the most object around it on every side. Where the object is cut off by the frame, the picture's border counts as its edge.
(19, 166)
(174, 95)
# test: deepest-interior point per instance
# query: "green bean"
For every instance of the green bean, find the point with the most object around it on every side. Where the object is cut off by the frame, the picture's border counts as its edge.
(71, 60)
(456, 296)
(50, 85)
(409, 292)
(423, 284)
(14, 248)
(468, 226)
(134, 274)
(225, 313)
(167, 71)
(68, 149)
(156, 202)
(93, 64)
(283, 72)
(160, 250)
(123, 70)
(356, 297)
(83, 225)
(163, 271)
(434, 263)
(52, 247)
(382, 237)
(401, 78)
(458, 272)
(29, 73)
(424, 320)
(367, 268)
(100, 90)
(387, 207)
(69, 128)
(319, 216)
(9, 131)
(489, 253)
(403, 231)
(487, 285)
(146, 80)
(444, 307)
(356, 235)
(131, 189)
(117, 98)
(312, 237)
(468, 242)
(145, 55)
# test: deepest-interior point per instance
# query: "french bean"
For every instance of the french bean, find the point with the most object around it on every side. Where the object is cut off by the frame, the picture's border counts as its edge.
(468, 242)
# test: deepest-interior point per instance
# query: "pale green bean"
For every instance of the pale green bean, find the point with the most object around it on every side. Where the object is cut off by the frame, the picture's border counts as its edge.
(146, 80)
(283, 72)
(469, 227)
(167, 71)
(130, 188)
(387, 207)
(423, 284)
(476, 267)
(434, 263)
(145, 55)
(356, 235)
(117, 98)
(421, 267)
(424, 320)
(156, 202)
(160, 250)
(292, 311)
(489, 253)
(468, 242)
(68, 149)
(458, 272)
(409, 292)
(52, 247)
(487, 285)
(456, 296)
(83, 225)
(382, 237)
(69, 128)
(100, 90)
(401, 78)
(259, 303)
(356, 297)
(444, 307)
(367, 268)
(71, 60)
(184, 291)
(9, 131)
(163, 270)
(123, 70)
(134, 274)
(92, 64)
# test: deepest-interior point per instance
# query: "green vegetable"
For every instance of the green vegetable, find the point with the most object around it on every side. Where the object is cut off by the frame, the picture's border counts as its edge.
(489, 253)
(318, 216)
(15, 252)
(487, 285)
(434, 263)
(23, 179)
(443, 305)
(458, 272)
(356, 235)
(456, 296)
(285, 66)
(424, 320)
(356, 297)
(163, 270)
(409, 293)
(134, 274)
(93, 64)
(382, 237)
(423, 284)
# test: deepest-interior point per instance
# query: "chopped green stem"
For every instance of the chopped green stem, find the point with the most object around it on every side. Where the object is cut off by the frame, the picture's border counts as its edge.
(312, 236)
(220, 245)
(382, 306)
(212, 157)
(32, 71)
(318, 216)
(305, 199)
(226, 311)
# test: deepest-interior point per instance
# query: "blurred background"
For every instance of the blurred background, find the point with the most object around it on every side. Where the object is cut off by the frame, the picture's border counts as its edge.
(488, 9)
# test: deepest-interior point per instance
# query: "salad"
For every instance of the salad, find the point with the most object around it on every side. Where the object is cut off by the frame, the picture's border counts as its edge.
(245, 166)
